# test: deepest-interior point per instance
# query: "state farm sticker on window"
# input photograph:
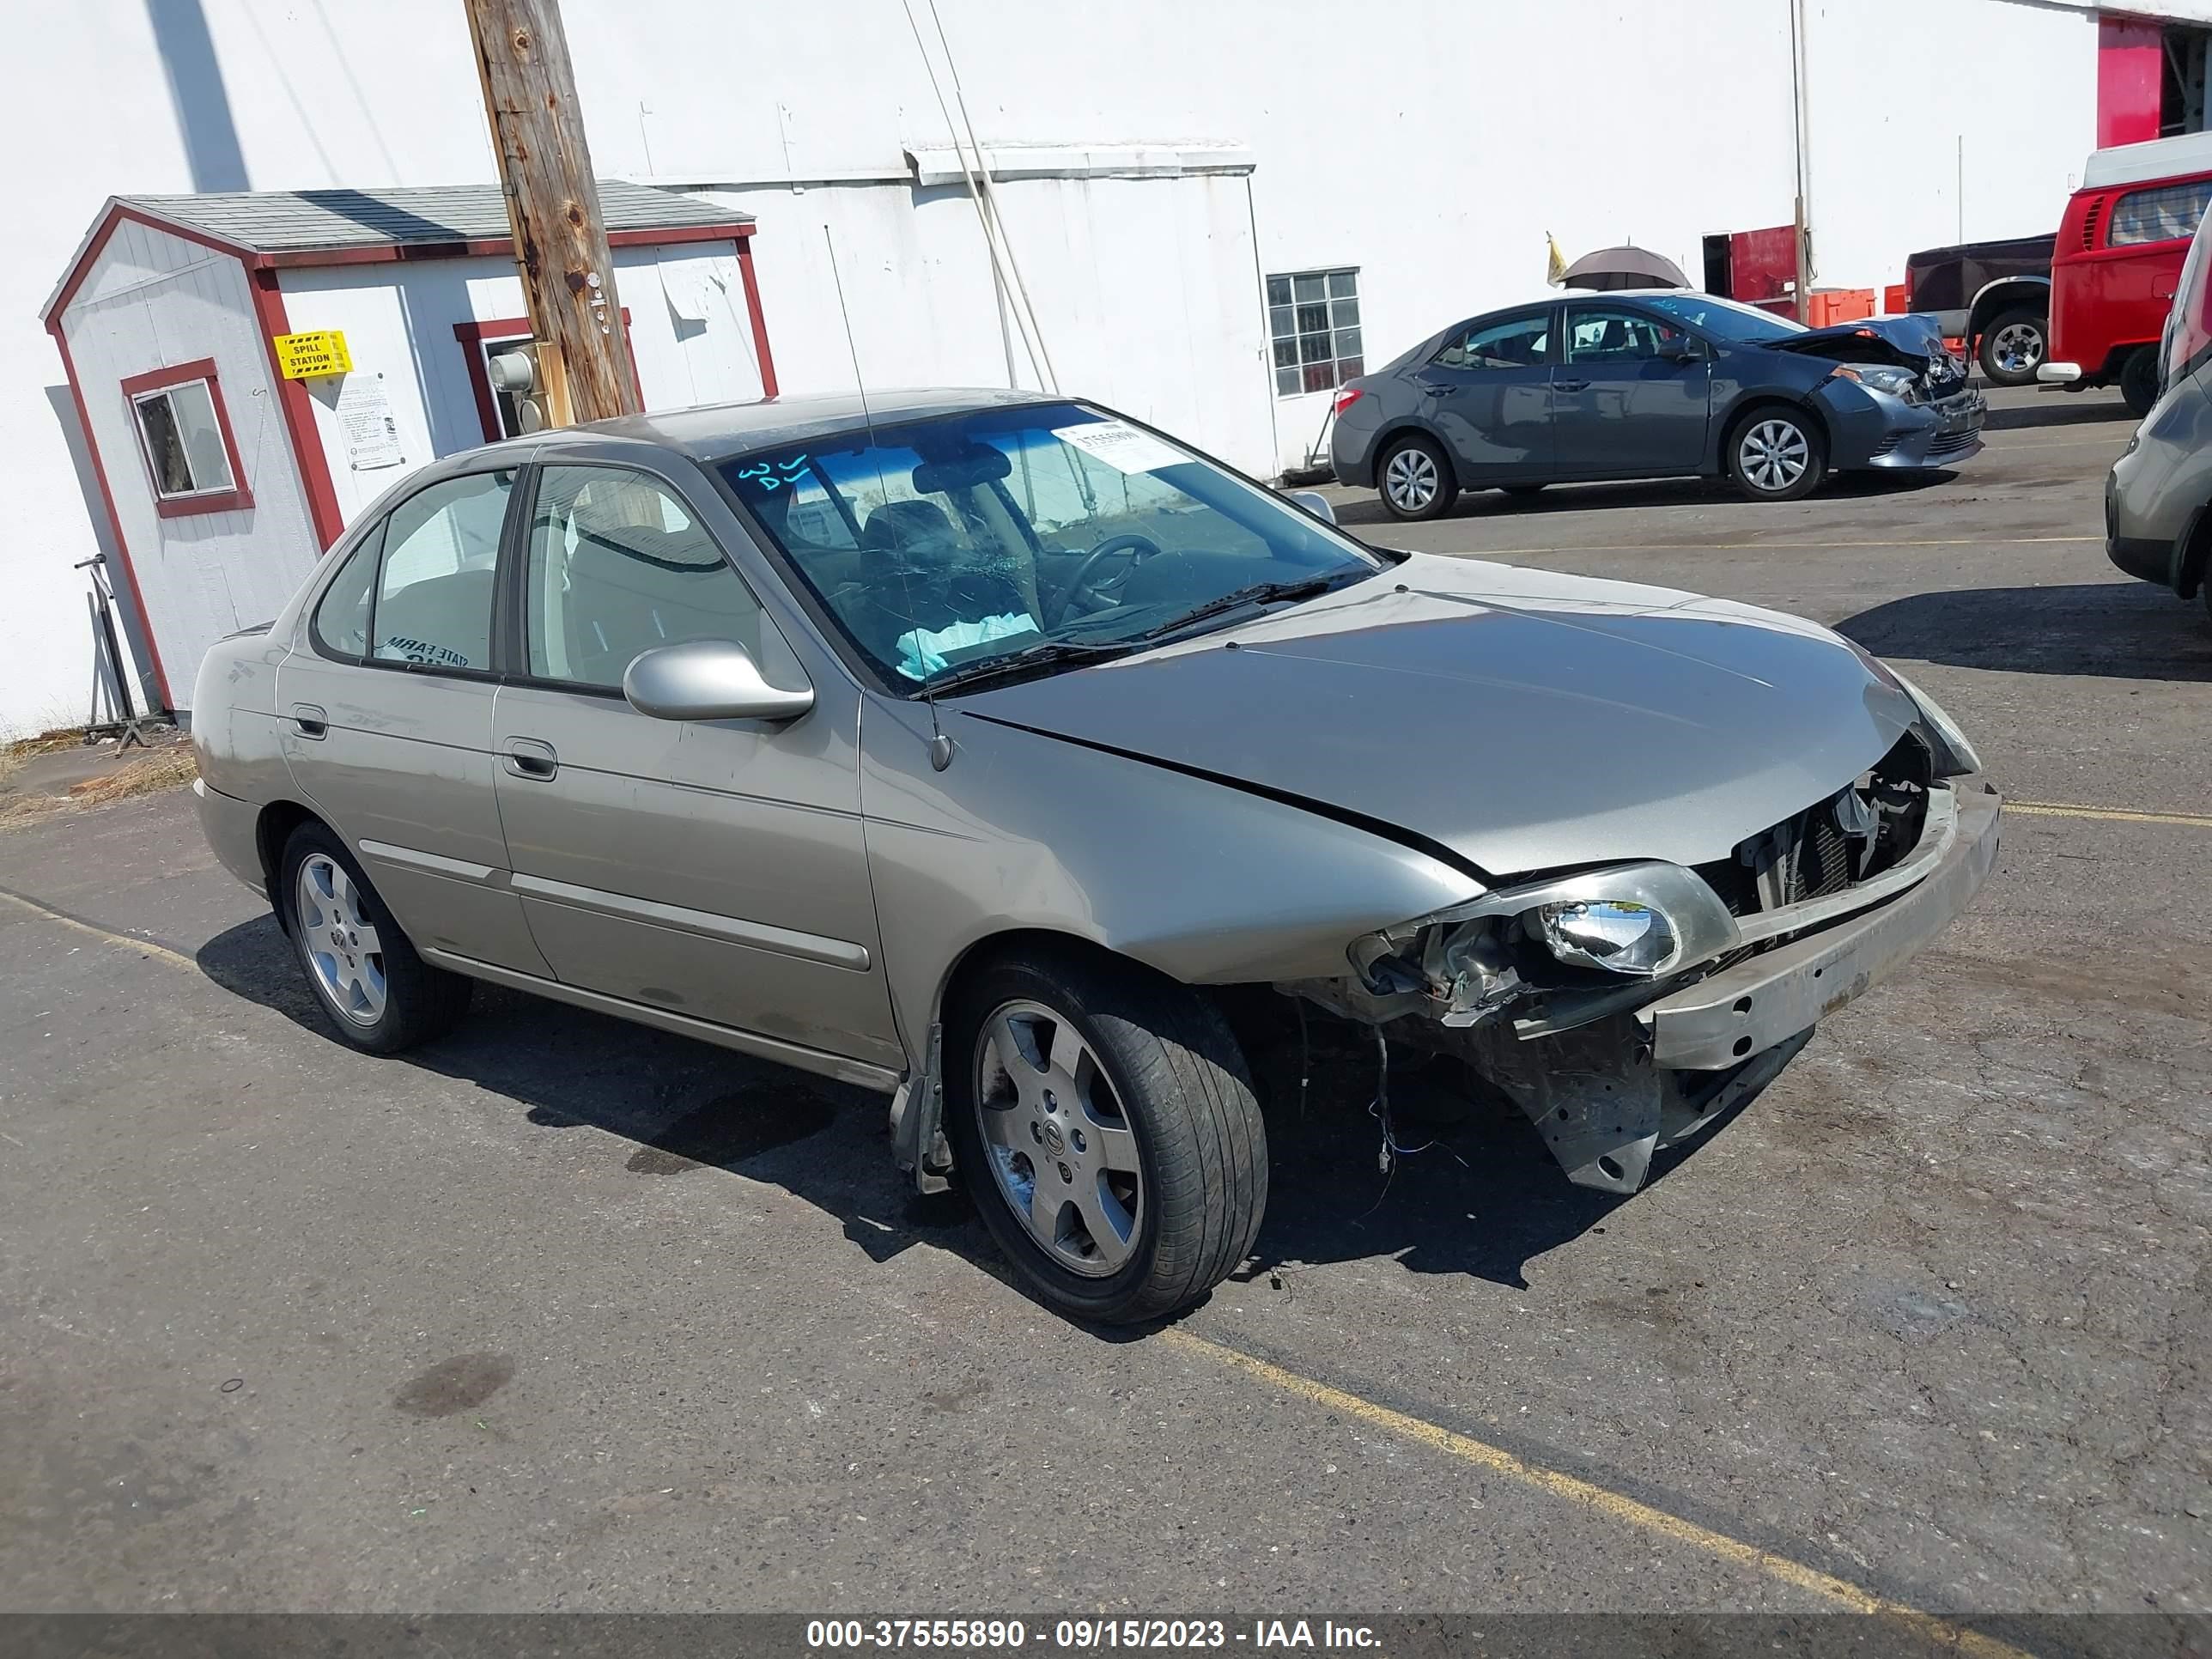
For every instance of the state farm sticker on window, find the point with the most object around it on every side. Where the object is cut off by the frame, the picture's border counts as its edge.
(1120, 446)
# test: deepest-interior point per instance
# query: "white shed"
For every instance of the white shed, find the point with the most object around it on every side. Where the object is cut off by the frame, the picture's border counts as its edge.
(229, 461)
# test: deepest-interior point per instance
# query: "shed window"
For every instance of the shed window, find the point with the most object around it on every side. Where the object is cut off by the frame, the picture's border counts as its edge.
(191, 459)
(183, 442)
(1313, 322)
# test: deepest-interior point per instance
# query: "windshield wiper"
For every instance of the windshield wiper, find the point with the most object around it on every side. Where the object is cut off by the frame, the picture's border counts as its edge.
(1237, 598)
(1042, 654)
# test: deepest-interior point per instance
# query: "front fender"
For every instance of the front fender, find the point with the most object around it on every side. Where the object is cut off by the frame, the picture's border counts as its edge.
(1204, 881)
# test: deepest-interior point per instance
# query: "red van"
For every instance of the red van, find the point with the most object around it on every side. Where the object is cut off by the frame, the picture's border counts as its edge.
(2118, 257)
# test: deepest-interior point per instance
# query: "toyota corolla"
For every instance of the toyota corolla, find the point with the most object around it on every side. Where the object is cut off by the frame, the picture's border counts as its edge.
(982, 749)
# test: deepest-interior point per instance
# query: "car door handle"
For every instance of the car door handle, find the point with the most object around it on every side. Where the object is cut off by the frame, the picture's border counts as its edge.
(1570, 385)
(527, 757)
(310, 721)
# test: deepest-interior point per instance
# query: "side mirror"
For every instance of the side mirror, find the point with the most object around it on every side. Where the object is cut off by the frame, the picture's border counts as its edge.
(1315, 503)
(1682, 351)
(708, 680)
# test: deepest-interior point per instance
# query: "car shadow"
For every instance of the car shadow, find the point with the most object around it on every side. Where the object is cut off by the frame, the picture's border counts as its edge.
(2057, 409)
(2117, 631)
(1481, 1196)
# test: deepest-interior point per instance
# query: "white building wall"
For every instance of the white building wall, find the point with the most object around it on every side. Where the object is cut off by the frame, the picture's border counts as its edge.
(1916, 148)
(1430, 142)
(152, 301)
(1146, 291)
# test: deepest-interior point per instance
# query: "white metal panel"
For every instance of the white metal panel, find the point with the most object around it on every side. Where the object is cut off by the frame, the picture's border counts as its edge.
(2154, 158)
(1146, 290)
(689, 330)
(154, 300)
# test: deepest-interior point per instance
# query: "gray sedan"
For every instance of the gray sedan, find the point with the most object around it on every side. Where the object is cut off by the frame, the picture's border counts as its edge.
(1651, 385)
(1006, 756)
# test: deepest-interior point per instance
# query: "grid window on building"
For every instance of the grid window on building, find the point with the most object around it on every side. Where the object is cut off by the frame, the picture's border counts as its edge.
(1313, 322)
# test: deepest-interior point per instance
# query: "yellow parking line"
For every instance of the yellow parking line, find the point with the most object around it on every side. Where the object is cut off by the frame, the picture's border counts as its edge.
(144, 947)
(1838, 1592)
(2037, 809)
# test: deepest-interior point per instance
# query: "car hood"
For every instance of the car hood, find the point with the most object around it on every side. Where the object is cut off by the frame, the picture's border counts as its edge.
(1514, 718)
(1913, 341)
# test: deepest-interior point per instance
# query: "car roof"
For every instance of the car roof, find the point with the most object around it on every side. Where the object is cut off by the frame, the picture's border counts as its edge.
(1600, 294)
(714, 432)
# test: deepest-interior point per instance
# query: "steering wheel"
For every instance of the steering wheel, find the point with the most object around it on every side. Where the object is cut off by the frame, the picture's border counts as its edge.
(1138, 547)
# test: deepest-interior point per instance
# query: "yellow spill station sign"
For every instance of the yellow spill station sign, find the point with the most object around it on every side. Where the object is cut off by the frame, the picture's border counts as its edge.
(303, 356)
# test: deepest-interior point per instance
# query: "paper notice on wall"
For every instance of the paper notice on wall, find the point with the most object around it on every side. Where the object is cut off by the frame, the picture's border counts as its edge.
(693, 289)
(1120, 446)
(364, 411)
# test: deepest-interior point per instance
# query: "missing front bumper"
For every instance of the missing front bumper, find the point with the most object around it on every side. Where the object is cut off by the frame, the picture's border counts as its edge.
(1747, 1009)
(1608, 1094)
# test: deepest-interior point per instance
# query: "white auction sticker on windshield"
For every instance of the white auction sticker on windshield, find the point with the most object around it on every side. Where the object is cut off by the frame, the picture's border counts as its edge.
(1120, 446)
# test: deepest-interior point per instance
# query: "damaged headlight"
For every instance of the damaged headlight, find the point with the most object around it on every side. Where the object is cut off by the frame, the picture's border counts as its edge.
(1882, 377)
(1618, 935)
(1639, 921)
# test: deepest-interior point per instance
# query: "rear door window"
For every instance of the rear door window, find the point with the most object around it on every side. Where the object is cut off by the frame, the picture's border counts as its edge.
(440, 554)
(1518, 343)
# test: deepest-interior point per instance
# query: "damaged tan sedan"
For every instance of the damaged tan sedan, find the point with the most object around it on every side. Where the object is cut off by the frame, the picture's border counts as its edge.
(979, 748)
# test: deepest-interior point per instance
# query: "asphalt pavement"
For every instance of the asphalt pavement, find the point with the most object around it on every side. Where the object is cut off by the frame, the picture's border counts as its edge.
(561, 1314)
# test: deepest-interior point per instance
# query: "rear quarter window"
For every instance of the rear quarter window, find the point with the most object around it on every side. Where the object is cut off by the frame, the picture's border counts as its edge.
(340, 624)
(2166, 213)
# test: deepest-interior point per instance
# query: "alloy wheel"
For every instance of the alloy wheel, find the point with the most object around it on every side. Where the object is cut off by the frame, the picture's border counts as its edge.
(1410, 479)
(1774, 455)
(1061, 1149)
(343, 953)
(2017, 347)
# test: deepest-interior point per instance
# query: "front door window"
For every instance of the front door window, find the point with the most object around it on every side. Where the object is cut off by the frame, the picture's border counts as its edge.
(619, 565)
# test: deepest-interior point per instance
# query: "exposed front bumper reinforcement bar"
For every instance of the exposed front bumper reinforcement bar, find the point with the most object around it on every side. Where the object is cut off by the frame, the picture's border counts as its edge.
(1747, 1009)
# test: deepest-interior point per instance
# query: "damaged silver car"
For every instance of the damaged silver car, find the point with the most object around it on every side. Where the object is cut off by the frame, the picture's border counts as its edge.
(982, 749)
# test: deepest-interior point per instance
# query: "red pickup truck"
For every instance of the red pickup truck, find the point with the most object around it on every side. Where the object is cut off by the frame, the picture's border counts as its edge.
(2118, 258)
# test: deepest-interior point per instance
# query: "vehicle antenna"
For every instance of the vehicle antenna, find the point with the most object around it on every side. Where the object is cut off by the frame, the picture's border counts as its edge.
(941, 746)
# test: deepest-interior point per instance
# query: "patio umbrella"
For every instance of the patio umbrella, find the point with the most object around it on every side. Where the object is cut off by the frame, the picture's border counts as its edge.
(1625, 267)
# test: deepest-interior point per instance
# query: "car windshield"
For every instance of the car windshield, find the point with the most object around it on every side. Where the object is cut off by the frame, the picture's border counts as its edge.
(1724, 319)
(1049, 531)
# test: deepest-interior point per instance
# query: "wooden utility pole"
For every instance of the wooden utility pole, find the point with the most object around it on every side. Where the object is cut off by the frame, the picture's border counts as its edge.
(553, 203)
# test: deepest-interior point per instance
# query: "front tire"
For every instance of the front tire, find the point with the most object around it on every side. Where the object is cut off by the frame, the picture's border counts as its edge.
(1415, 477)
(1777, 455)
(378, 995)
(1104, 1123)
(2014, 346)
(2139, 380)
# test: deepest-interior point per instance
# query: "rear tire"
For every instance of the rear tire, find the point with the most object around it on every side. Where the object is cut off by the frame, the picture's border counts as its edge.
(2139, 380)
(1776, 453)
(1416, 479)
(1103, 1121)
(378, 995)
(2014, 346)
